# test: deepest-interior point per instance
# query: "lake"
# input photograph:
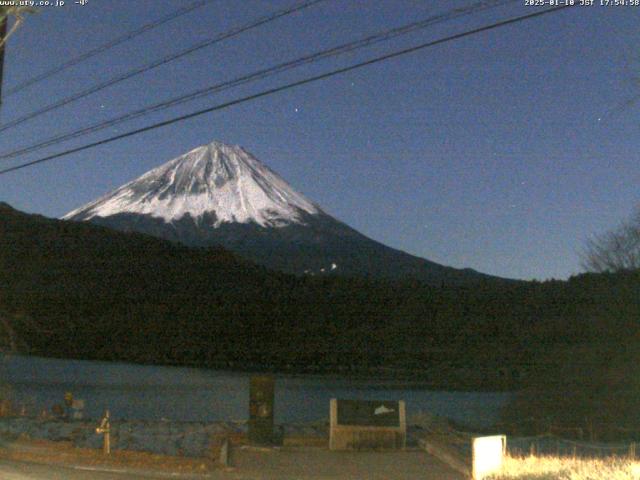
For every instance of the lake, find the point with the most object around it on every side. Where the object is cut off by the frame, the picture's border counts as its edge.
(138, 392)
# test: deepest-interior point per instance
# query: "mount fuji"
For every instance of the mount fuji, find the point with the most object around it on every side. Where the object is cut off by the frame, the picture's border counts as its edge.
(222, 195)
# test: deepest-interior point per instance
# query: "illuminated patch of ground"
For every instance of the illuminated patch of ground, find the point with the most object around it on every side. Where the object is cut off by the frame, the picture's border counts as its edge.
(567, 468)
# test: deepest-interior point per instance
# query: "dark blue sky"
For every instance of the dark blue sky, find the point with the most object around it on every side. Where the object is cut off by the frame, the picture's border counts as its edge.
(502, 151)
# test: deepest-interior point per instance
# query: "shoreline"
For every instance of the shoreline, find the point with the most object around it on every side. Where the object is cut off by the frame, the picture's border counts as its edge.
(379, 378)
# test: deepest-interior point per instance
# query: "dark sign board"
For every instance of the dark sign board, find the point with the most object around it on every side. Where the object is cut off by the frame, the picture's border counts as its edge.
(369, 413)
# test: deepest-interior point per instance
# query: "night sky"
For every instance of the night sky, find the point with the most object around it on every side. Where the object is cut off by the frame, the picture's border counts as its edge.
(502, 151)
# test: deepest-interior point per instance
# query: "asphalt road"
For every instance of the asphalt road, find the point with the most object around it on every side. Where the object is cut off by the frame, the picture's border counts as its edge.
(267, 464)
(12, 470)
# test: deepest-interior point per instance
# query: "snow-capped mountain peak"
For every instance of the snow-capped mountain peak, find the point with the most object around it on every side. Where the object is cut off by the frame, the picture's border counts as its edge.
(212, 179)
(220, 195)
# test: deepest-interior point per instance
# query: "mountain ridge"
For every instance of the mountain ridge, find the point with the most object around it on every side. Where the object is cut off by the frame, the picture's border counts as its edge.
(222, 195)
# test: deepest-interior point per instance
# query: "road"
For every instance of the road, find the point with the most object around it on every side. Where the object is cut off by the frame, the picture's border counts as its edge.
(267, 464)
(322, 464)
(12, 470)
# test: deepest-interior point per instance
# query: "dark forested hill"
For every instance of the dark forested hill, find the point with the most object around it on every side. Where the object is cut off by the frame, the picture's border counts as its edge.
(79, 290)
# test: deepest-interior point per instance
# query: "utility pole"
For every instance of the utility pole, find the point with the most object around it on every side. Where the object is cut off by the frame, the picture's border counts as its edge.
(3, 33)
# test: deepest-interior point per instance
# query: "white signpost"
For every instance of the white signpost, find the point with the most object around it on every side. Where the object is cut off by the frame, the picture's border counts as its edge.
(487, 455)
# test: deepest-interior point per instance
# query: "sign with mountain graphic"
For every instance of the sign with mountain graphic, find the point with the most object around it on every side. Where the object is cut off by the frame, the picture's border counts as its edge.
(369, 413)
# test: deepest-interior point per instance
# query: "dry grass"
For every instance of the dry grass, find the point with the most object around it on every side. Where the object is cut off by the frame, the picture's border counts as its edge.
(567, 468)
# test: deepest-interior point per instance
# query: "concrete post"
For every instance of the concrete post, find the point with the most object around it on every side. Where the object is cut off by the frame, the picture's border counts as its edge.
(105, 429)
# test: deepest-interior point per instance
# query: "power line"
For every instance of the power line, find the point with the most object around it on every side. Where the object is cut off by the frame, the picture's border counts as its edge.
(287, 86)
(107, 46)
(169, 58)
(264, 73)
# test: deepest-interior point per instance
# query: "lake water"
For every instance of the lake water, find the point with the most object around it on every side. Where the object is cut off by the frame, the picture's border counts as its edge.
(190, 394)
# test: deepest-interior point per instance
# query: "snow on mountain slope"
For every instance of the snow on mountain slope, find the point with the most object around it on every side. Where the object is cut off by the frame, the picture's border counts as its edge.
(220, 195)
(216, 178)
